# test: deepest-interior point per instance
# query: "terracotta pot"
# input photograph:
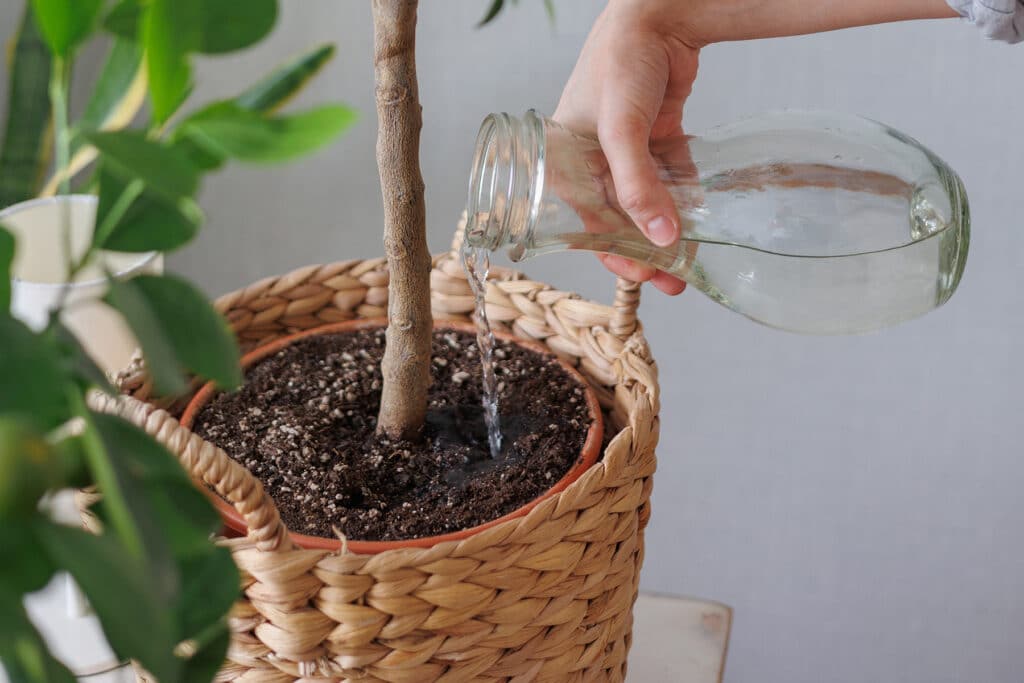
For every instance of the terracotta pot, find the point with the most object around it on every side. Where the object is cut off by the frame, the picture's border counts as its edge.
(591, 447)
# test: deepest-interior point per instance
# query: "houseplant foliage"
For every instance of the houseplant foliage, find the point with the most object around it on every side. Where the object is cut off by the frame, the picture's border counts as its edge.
(160, 587)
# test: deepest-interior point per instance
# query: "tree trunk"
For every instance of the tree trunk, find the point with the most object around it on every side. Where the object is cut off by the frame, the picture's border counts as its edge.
(406, 364)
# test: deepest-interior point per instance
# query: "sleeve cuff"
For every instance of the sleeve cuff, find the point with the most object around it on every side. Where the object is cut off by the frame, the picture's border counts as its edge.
(998, 19)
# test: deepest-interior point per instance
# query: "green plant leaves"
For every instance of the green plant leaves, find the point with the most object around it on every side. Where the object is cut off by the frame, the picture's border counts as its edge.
(199, 581)
(265, 96)
(162, 168)
(123, 19)
(145, 194)
(226, 25)
(492, 12)
(29, 467)
(25, 154)
(23, 653)
(7, 247)
(120, 591)
(230, 25)
(172, 30)
(277, 88)
(145, 197)
(66, 23)
(147, 221)
(228, 130)
(212, 587)
(79, 364)
(178, 331)
(110, 93)
(210, 655)
(32, 381)
(497, 5)
(26, 568)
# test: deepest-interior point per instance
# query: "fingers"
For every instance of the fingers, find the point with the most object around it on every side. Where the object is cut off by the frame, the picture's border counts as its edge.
(623, 267)
(630, 105)
(669, 284)
(637, 187)
(631, 270)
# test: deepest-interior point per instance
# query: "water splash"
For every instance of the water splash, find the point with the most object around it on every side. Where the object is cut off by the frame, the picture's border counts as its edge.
(477, 263)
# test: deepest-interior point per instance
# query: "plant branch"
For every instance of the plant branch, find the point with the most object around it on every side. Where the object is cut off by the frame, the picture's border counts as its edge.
(406, 363)
(105, 476)
(62, 152)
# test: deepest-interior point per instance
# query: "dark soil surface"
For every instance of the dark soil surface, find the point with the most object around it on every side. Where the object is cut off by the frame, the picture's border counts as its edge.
(304, 424)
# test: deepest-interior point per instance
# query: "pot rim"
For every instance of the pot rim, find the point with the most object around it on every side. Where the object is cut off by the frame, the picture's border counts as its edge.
(145, 258)
(589, 453)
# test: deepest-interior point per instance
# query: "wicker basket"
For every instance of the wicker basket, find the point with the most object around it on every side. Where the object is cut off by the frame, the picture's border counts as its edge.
(546, 597)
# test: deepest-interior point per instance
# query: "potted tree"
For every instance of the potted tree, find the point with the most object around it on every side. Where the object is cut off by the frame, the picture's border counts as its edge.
(543, 595)
(160, 588)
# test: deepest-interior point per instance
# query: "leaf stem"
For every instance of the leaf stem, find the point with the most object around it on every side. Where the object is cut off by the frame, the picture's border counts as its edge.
(130, 193)
(62, 144)
(105, 477)
(62, 153)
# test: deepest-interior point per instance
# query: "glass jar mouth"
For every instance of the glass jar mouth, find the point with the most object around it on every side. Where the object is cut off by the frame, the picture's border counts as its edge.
(486, 179)
(506, 181)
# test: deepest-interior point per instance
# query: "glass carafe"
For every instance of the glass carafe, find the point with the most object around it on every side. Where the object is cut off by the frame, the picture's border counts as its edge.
(813, 222)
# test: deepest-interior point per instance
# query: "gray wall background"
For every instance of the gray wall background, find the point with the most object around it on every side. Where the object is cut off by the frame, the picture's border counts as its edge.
(856, 500)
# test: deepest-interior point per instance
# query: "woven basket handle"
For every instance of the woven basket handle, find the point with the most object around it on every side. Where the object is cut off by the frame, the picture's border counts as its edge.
(623, 322)
(208, 463)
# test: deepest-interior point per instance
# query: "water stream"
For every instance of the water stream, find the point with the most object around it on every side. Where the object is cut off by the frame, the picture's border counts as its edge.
(477, 262)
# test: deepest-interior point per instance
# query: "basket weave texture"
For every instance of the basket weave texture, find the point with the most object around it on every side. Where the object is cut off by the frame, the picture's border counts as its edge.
(545, 597)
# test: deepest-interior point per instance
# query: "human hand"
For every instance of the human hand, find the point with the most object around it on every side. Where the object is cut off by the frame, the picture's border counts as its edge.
(629, 87)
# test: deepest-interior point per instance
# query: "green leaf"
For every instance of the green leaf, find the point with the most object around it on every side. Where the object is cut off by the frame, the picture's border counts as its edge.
(161, 361)
(32, 381)
(26, 471)
(224, 26)
(78, 363)
(114, 454)
(203, 158)
(230, 25)
(66, 23)
(227, 129)
(267, 95)
(281, 85)
(25, 152)
(122, 593)
(148, 223)
(178, 330)
(26, 567)
(123, 19)
(23, 652)
(187, 516)
(207, 580)
(162, 168)
(7, 247)
(208, 659)
(120, 72)
(172, 30)
(211, 588)
(492, 12)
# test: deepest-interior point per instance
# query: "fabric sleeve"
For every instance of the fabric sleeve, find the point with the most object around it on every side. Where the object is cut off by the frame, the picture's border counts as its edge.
(998, 19)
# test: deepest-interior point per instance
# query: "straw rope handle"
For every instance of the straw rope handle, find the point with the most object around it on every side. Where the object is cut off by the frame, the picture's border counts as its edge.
(208, 463)
(623, 322)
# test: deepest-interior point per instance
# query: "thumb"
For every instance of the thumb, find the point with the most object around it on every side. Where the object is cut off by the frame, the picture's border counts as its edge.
(624, 131)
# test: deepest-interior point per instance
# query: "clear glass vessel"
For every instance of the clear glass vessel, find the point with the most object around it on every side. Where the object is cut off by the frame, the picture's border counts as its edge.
(813, 222)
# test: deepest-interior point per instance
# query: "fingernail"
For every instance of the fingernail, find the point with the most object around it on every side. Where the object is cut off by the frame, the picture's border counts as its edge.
(661, 231)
